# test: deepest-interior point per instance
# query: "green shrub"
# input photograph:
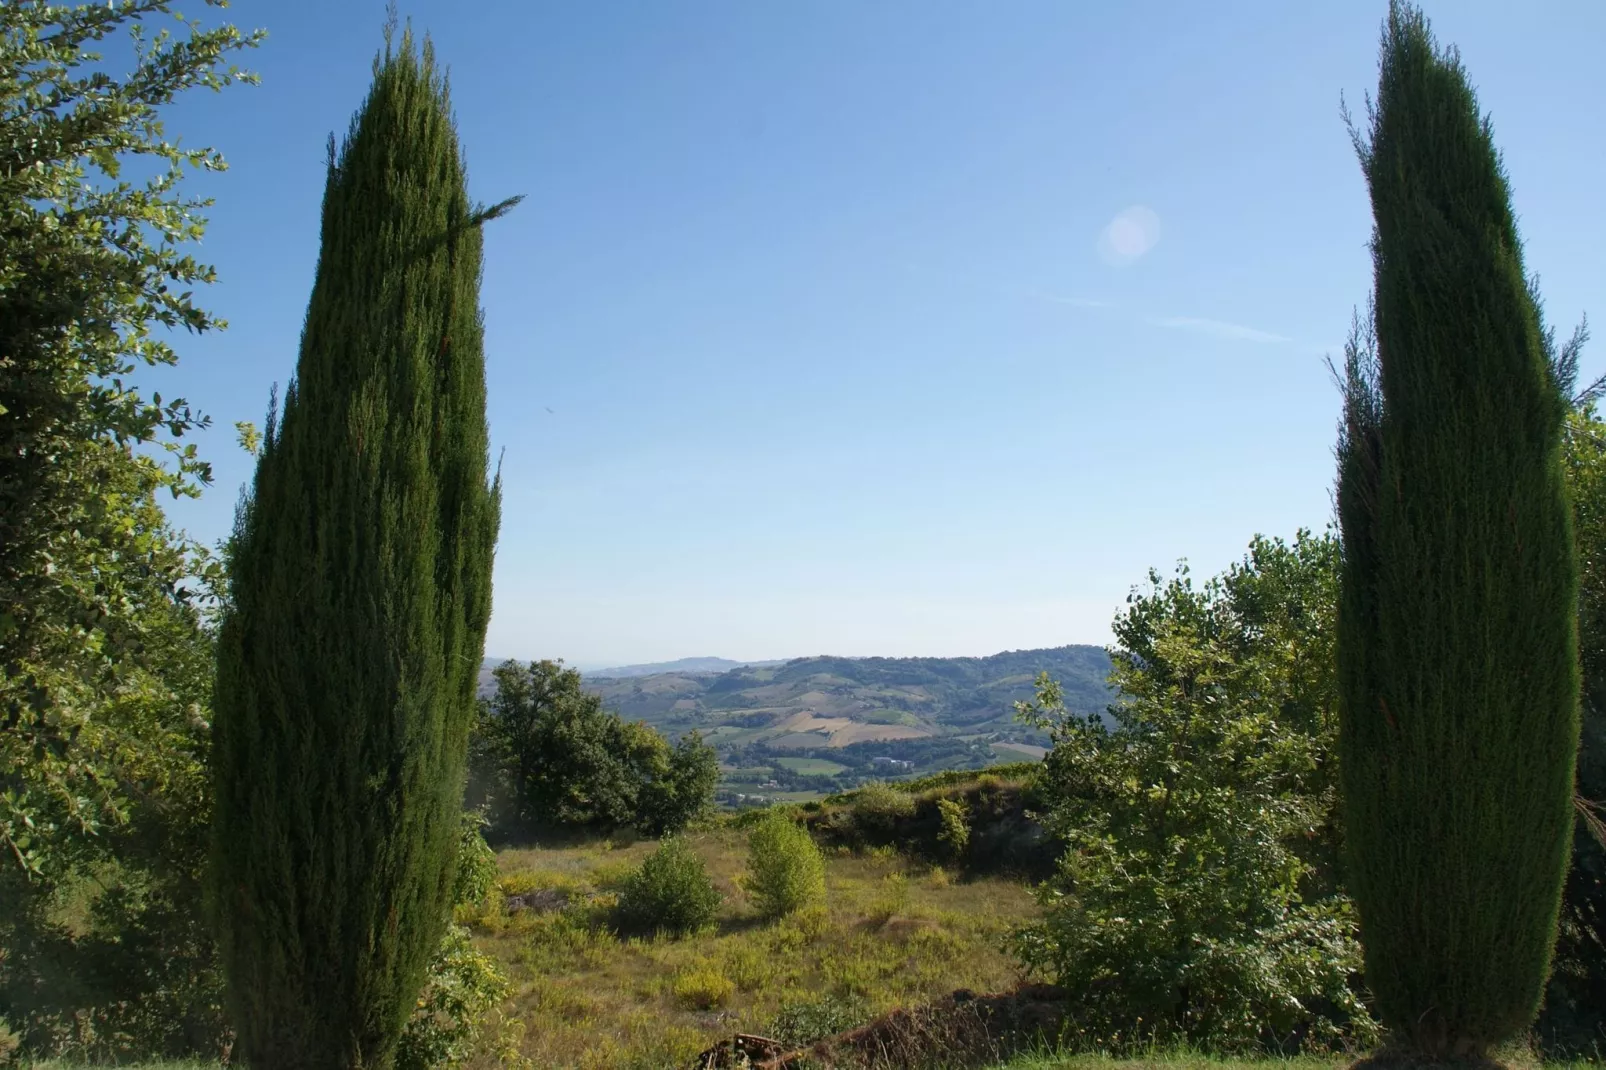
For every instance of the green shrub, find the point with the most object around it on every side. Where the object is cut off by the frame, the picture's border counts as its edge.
(671, 892)
(476, 862)
(954, 833)
(461, 990)
(1196, 902)
(877, 808)
(703, 989)
(785, 870)
(802, 1022)
(892, 900)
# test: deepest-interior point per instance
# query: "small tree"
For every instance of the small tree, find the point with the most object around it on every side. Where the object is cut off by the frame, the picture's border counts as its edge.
(360, 589)
(785, 870)
(1457, 629)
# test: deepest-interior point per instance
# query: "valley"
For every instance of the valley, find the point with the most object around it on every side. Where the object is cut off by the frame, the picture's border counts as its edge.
(804, 728)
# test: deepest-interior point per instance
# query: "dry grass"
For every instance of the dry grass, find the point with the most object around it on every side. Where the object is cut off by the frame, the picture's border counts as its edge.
(892, 933)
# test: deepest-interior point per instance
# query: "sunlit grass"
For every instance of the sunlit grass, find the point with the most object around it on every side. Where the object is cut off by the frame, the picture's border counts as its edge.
(893, 932)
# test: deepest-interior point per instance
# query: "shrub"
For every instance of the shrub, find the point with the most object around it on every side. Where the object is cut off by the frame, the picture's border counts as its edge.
(476, 862)
(892, 900)
(703, 989)
(461, 990)
(802, 1022)
(671, 892)
(1195, 904)
(877, 808)
(954, 833)
(785, 870)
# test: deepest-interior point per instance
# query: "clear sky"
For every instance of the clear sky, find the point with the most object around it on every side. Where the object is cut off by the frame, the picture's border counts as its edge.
(912, 327)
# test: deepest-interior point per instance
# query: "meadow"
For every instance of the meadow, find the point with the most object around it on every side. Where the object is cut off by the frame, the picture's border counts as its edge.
(893, 932)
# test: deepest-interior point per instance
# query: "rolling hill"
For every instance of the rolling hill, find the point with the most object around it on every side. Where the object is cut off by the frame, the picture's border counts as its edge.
(824, 723)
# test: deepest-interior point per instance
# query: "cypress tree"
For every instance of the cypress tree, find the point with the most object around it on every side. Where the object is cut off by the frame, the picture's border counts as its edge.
(360, 590)
(1457, 633)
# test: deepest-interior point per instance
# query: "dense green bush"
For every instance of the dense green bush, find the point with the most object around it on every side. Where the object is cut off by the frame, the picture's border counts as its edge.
(670, 892)
(785, 870)
(1194, 904)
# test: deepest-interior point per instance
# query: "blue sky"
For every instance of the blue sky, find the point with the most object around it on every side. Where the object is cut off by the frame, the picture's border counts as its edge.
(905, 328)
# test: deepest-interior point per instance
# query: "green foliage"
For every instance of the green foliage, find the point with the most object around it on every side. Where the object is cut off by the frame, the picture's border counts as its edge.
(1457, 640)
(877, 808)
(476, 862)
(801, 1022)
(670, 892)
(1194, 902)
(950, 777)
(461, 992)
(954, 833)
(547, 750)
(88, 267)
(1573, 1020)
(359, 593)
(785, 870)
(679, 787)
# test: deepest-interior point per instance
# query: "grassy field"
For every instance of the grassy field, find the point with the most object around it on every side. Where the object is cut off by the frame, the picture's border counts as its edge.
(893, 933)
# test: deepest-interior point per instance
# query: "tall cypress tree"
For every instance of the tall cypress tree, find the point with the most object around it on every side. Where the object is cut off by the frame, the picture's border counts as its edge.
(1457, 633)
(360, 589)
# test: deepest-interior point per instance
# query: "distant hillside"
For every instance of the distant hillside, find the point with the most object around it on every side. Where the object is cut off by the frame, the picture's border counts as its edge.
(801, 727)
(683, 665)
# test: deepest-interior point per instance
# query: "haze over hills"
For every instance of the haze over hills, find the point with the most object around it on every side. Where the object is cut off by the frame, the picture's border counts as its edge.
(683, 665)
(823, 723)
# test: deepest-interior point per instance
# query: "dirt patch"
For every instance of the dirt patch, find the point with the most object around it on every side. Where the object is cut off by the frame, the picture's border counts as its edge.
(541, 901)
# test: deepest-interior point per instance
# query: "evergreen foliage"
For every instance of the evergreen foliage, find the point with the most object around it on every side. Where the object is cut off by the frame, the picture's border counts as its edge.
(1457, 631)
(1573, 1020)
(359, 595)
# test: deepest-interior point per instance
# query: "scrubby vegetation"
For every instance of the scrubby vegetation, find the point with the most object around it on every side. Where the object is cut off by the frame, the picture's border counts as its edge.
(892, 931)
